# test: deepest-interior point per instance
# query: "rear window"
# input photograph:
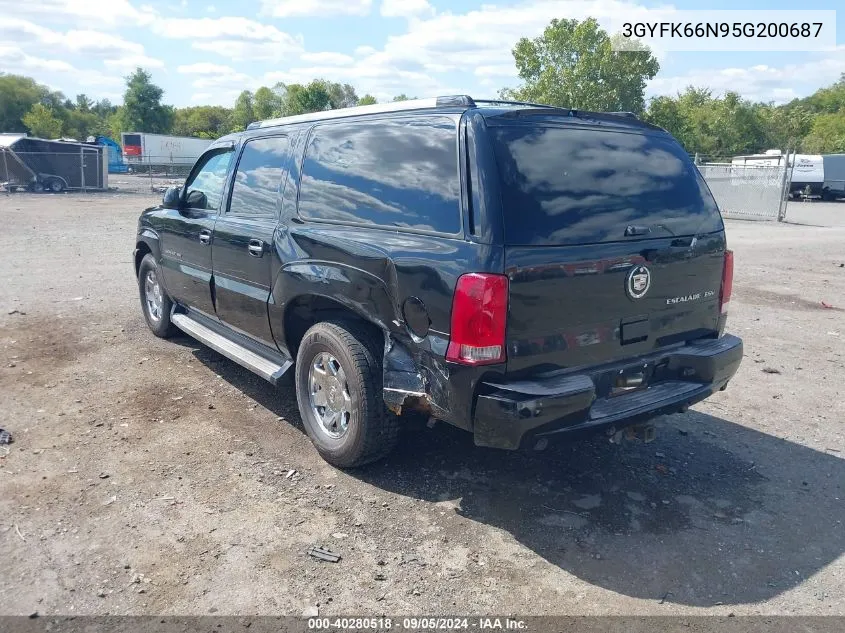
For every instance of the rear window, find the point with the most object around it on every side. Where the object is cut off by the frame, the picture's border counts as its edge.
(132, 139)
(564, 186)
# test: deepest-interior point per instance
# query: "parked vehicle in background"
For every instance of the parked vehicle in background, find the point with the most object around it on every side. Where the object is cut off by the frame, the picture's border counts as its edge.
(520, 271)
(807, 176)
(38, 164)
(115, 154)
(834, 177)
(159, 150)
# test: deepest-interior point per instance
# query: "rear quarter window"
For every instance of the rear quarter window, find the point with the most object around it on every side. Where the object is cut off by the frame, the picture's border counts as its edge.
(567, 186)
(397, 173)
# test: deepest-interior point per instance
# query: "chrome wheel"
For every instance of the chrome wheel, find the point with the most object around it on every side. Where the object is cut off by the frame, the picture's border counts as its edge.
(328, 395)
(153, 296)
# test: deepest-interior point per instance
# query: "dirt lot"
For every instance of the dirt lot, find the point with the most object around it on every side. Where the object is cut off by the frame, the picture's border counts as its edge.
(152, 477)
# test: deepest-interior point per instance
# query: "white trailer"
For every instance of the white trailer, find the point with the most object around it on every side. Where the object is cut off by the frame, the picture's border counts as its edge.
(807, 171)
(162, 150)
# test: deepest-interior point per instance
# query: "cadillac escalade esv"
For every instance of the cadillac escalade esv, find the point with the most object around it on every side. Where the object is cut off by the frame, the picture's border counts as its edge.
(521, 271)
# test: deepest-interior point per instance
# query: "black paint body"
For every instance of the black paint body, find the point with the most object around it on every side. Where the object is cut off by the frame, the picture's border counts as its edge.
(570, 323)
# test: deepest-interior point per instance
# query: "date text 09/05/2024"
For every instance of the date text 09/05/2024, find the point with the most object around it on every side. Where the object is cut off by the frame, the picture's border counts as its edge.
(417, 624)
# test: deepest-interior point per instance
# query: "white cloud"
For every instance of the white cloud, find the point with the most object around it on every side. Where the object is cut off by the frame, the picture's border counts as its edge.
(333, 59)
(405, 8)
(236, 38)
(301, 8)
(484, 36)
(760, 82)
(205, 68)
(110, 12)
(130, 62)
(13, 60)
(34, 41)
(86, 42)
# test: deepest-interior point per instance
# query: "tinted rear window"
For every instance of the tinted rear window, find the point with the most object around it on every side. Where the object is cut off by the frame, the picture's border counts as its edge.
(393, 173)
(581, 186)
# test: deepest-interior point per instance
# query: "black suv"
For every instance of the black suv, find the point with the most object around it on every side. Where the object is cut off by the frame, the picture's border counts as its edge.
(520, 271)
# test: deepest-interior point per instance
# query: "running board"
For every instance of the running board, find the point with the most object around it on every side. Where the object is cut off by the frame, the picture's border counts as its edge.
(269, 370)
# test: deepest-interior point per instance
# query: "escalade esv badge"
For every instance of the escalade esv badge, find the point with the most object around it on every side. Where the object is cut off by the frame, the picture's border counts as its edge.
(638, 282)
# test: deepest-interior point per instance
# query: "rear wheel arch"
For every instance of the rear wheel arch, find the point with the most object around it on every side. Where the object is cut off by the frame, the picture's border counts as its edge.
(305, 311)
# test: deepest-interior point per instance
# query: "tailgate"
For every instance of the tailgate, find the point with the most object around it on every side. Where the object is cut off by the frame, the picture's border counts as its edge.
(572, 306)
(613, 243)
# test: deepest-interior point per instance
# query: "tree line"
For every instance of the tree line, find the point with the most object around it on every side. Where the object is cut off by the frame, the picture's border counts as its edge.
(27, 106)
(572, 64)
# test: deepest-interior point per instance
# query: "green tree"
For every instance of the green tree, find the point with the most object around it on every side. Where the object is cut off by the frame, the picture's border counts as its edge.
(340, 95)
(300, 99)
(367, 99)
(201, 121)
(42, 122)
(266, 103)
(785, 127)
(142, 108)
(401, 97)
(717, 127)
(827, 135)
(572, 64)
(242, 113)
(17, 96)
(81, 124)
(83, 103)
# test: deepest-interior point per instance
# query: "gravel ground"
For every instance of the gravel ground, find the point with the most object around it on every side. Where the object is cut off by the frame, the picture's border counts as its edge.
(152, 476)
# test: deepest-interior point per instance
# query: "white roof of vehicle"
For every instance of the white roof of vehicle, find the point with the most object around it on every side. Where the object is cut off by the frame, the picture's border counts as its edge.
(6, 140)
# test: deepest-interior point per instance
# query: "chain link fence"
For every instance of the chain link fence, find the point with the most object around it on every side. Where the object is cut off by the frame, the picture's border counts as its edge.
(145, 174)
(53, 172)
(750, 191)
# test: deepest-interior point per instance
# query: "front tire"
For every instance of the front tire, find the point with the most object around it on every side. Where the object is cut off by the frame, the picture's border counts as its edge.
(155, 303)
(339, 393)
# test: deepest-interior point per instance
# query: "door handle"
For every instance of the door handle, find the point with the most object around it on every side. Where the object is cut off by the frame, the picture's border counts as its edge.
(256, 248)
(205, 236)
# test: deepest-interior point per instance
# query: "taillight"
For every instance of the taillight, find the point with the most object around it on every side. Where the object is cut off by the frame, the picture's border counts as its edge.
(727, 282)
(479, 315)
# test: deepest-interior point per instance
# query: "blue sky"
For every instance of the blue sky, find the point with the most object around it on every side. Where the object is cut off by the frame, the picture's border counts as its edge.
(207, 51)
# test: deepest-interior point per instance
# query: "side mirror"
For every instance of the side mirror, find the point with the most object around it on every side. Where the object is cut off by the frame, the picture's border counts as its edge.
(196, 200)
(171, 198)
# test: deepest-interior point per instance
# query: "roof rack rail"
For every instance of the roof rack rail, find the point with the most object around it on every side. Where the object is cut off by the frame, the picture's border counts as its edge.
(395, 106)
(629, 115)
(519, 103)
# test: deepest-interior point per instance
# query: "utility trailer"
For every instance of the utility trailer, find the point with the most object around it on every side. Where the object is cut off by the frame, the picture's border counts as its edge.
(159, 150)
(38, 164)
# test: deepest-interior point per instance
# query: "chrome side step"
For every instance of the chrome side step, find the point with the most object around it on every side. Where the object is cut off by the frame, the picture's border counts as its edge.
(267, 369)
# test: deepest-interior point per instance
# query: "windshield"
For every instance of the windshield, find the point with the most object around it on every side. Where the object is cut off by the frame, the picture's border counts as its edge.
(564, 186)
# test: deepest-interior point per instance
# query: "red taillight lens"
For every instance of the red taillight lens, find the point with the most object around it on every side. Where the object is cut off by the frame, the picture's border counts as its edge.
(479, 315)
(727, 282)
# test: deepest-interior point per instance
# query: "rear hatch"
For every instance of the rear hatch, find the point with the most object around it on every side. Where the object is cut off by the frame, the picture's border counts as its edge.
(614, 244)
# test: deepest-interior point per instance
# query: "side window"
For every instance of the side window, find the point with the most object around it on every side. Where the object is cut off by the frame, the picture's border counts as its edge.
(262, 171)
(394, 173)
(204, 189)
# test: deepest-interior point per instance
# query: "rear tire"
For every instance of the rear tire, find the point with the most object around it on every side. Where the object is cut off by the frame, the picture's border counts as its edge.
(339, 393)
(54, 185)
(155, 303)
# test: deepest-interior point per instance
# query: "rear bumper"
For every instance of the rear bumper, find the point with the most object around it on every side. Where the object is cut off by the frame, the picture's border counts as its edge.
(511, 414)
